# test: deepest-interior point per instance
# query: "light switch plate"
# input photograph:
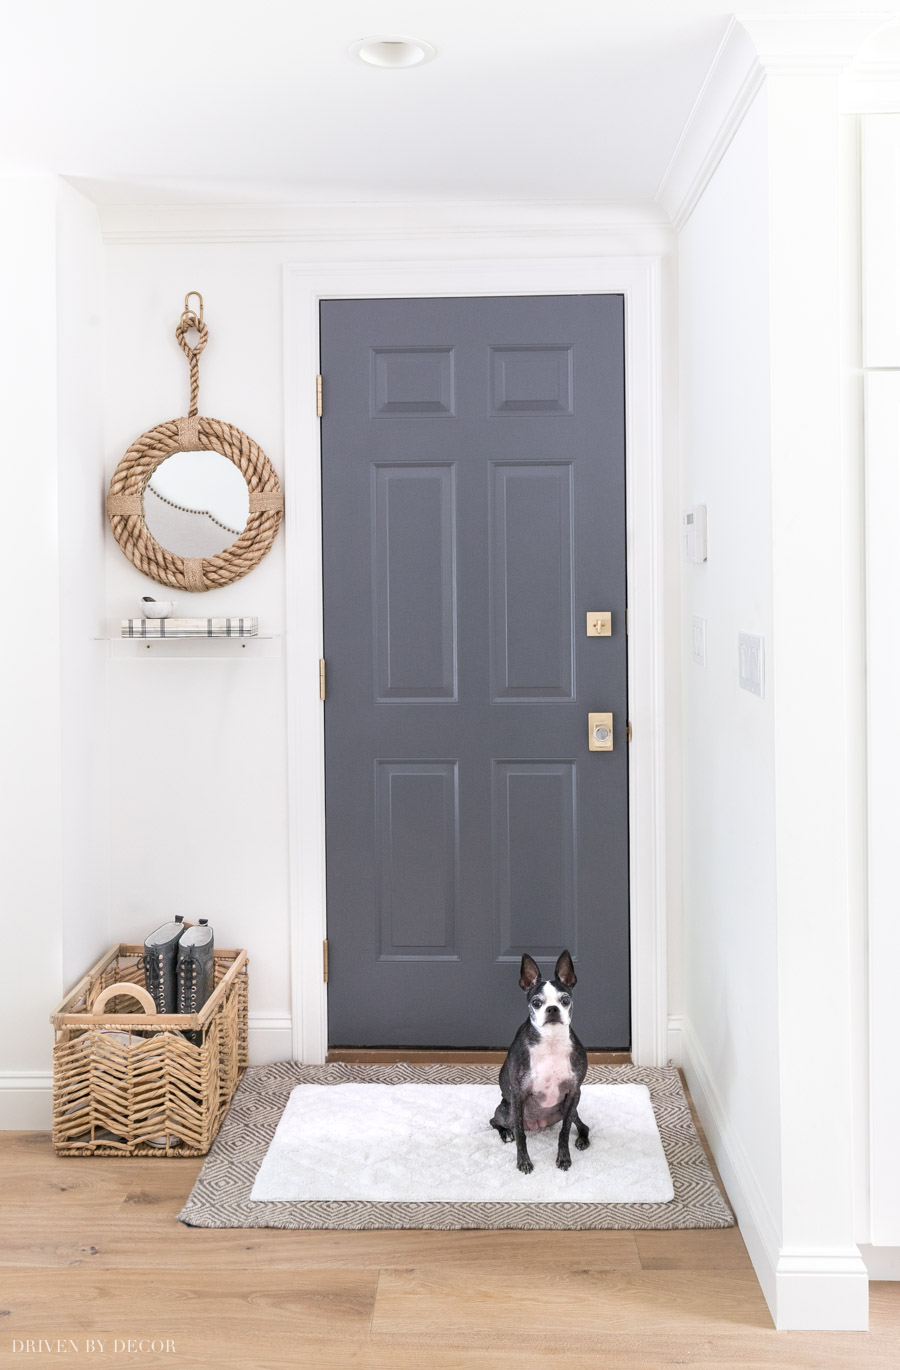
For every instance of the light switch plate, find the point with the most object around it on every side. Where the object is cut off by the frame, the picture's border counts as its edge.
(698, 640)
(751, 663)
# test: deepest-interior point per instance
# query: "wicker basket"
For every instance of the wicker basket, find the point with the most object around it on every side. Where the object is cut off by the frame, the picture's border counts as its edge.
(129, 1083)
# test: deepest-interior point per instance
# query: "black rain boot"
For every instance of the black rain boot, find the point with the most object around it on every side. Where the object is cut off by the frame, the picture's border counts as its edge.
(160, 949)
(196, 973)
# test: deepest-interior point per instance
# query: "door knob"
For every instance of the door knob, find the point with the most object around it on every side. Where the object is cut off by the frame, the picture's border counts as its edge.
(600, 732)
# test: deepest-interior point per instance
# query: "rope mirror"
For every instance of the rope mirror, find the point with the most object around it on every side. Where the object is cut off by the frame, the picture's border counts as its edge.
(125, 501)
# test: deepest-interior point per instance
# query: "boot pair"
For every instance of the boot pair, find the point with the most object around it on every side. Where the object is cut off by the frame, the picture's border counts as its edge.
(179, 967)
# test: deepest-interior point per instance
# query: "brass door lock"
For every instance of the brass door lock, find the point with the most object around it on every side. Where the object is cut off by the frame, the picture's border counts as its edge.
(600, 732)
(599, 623)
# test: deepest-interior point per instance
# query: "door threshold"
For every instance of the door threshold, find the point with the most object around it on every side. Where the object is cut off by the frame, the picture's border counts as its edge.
(418, 1056)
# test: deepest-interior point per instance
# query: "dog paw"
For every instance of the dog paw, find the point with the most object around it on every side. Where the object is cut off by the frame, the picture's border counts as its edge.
(525, 1165)
(505, 1134)
(563, 1161)
(582, 1143)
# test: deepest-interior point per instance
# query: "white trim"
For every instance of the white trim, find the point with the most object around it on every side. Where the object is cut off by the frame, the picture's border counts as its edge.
(675, 1025)
(26, 1079)
(607, 226)
(754, 46)
(756, 1221)
(271, 1038)
(882, 460)
(731, 85)
(822, 1291)
(815, 1289)
(879, 273)
(638, 280)
(871, 88)
(26, 1100)
(882, 1262)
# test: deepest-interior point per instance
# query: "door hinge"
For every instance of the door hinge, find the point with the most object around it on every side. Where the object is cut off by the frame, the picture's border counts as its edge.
(628, 731)
(627, 630)
(321, 677)
(325, 960)
(318, 397)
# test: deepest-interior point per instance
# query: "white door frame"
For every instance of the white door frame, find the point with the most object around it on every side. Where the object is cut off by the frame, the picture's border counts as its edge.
(305, 285)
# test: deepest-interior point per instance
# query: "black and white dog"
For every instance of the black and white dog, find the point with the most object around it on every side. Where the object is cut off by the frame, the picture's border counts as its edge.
(541, 1078)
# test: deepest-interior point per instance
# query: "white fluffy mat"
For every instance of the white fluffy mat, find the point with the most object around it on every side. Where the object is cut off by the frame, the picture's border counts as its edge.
(434, 1143)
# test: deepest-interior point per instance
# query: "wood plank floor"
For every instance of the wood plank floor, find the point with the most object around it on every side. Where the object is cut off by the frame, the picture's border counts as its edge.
(91, 1249)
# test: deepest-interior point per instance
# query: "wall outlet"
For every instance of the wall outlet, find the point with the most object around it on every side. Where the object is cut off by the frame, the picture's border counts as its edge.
(751, 663)
(698, 640)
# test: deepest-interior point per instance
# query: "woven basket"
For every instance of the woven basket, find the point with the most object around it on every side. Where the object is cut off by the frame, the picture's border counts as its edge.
(129, 1083)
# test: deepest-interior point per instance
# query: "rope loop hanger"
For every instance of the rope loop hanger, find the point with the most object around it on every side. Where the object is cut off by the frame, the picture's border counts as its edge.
(125, 501)
(188, 321)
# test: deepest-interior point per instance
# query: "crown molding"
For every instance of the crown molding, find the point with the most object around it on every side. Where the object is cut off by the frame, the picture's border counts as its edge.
(731, 85)
(872, 87)
(641, 228)
(811, 44)
(754, 47)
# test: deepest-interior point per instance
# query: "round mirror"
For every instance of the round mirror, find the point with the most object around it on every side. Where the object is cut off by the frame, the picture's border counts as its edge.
(196, 504)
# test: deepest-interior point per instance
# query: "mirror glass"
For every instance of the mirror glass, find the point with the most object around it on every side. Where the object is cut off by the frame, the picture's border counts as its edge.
(196, 504)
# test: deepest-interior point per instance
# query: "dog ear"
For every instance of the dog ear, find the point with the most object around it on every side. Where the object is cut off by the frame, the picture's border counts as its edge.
(565, 971)
(530, 972)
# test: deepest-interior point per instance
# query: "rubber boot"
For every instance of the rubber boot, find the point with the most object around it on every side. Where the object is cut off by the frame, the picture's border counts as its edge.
(160, 951)
(196, 972)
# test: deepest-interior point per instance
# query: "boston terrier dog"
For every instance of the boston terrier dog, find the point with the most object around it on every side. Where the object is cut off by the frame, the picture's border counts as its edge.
(540, 1080)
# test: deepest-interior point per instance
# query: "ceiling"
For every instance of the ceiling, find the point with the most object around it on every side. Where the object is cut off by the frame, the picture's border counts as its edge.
(258, 100)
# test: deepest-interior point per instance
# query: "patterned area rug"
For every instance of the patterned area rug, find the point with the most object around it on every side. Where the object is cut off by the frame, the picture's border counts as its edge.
(221, 1195)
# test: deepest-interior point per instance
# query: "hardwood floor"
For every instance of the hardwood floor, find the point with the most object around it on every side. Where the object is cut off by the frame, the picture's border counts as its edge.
(90, 1249)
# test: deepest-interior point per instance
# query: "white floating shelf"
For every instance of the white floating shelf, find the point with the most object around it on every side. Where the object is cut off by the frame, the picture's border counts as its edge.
(264, 646)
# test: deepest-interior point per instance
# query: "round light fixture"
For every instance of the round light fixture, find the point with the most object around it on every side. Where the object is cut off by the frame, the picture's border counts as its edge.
(393, 52)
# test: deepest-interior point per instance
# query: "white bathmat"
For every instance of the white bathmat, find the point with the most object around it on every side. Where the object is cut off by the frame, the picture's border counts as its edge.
(433, 1143)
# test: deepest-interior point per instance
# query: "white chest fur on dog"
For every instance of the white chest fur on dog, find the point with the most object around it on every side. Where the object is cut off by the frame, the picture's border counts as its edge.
(551, 1065)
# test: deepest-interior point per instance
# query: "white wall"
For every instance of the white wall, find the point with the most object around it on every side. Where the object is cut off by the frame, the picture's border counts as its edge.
(30, 817)
(84, 772)
(52, 693)
(197, 739)
(774, 880)
(730, 992)
(879, 392)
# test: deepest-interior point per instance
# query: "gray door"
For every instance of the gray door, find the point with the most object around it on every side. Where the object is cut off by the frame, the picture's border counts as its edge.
(473, 477)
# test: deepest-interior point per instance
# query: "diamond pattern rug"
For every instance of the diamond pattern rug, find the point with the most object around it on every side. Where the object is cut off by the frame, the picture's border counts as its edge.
(221, 1195)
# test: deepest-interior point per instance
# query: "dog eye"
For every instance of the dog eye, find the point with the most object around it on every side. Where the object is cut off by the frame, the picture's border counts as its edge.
(565, 1000)
(536, 1003)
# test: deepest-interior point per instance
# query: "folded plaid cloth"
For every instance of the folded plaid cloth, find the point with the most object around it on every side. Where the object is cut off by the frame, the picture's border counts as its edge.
(190, 627)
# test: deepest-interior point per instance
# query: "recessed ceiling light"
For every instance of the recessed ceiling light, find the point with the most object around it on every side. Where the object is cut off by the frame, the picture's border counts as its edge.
(392, 52)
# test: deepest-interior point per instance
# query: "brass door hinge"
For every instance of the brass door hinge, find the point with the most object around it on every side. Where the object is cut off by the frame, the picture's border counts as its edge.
(318, 397)
(628, 731)
(325, 960)
(321, 677)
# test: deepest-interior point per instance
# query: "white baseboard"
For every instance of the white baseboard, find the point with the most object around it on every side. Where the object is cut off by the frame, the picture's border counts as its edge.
(757, 1225)
(826, 1291)
(882, 1262)
(674, 1038)
(813, 1290)
(270, 1038)
(26, 1096)
(25, 1100)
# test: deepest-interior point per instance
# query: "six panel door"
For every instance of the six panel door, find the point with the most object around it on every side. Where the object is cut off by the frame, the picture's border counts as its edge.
(473, 477)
